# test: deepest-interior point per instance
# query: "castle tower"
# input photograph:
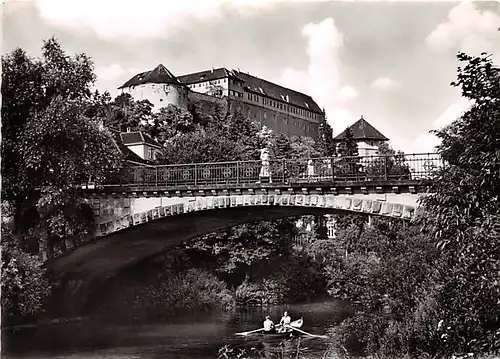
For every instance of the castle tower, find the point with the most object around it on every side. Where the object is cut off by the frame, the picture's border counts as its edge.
(159, 86)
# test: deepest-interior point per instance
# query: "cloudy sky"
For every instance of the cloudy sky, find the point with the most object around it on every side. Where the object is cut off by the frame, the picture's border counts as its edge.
(391, 62)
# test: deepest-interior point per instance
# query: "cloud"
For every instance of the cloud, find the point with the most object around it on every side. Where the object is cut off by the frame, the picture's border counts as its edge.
(115, 19)
(384, 83)
(427, 142)
(109, 73)
(466, 29)
(348, 93)
(322, 79)
(112, 76)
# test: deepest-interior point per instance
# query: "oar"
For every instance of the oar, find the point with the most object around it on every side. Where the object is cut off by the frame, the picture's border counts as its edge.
(250, 332)
(304, 332)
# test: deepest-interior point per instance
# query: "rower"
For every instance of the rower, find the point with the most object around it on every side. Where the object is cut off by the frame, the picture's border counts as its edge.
(285, 319)
(268, 324)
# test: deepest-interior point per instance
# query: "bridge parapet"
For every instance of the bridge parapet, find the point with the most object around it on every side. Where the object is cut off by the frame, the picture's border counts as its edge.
(359, 171)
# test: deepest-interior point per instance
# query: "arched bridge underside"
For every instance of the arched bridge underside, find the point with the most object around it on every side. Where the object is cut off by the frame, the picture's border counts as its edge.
(134, 227)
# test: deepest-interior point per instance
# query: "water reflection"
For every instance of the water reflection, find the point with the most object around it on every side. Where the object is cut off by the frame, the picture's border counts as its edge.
(190, 336)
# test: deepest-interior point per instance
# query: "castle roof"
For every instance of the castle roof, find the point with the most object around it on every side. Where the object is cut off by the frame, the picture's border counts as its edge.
(159, 75)
(207, 75)
(362, 130)
(256, 85)
(277, 92)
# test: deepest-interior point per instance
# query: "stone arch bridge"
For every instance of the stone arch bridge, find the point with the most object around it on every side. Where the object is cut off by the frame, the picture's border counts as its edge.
(152, 208)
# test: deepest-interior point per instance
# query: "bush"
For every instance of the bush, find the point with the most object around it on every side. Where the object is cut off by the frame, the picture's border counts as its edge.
(164, 294)
(24, 282)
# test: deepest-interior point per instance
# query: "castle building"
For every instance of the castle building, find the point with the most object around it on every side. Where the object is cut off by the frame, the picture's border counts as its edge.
(367, 137)
(279, 108)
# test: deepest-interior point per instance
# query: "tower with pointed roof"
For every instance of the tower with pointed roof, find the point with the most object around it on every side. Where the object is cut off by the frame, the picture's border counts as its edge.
(159, 86)
(366, 136)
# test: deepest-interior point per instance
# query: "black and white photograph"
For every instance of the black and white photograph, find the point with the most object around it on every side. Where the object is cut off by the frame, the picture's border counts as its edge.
(247, 179)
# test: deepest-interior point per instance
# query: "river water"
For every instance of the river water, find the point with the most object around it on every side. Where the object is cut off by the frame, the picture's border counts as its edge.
(197, 336)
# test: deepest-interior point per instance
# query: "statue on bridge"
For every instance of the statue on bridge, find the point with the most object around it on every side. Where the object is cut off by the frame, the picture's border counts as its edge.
(265, 171)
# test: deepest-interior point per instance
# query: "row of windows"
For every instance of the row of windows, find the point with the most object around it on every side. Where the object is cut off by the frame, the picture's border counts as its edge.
(296, 123)
(235, 93)
(206, 83)
(282, 106)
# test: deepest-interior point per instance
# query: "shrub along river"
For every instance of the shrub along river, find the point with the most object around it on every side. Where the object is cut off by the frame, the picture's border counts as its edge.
(188, 336)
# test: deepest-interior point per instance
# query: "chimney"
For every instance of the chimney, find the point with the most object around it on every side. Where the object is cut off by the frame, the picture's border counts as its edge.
(212, 70)
(128, 129)
(287, 98)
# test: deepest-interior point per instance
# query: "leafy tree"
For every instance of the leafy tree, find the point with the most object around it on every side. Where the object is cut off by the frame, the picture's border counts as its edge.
(61, 150)
(126, 113)
(171, 121)
(197, 147)
(244, 250)
(24, 281)
(53, 140)
(241, 131)
(463, 213)
(325, 143)
(389, 164)
(282, 147)
(28, 88)
(347, 146)
(266, 137)
(303, 148)
(348, 165)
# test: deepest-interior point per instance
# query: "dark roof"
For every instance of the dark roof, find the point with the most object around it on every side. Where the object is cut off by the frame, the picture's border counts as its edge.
(362, 130)
(278, 92)
(159, 75)
(129, 138)
(127, 153)
(207, 75)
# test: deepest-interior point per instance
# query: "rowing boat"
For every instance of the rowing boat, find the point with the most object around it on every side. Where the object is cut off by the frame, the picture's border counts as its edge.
(280, 331)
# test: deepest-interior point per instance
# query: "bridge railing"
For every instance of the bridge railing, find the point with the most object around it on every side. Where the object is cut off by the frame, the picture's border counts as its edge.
(284, 171)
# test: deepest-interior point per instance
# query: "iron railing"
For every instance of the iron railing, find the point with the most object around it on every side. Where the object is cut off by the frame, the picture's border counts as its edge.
(284, 171)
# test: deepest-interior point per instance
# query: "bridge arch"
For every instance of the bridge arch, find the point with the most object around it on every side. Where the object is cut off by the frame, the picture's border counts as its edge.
(132, 228)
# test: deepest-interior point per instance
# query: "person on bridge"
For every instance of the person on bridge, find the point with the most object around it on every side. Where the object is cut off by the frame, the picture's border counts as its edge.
(268, 325)
(265, 172)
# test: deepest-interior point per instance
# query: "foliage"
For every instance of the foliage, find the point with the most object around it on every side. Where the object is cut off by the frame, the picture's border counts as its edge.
(463, 213)
(243, 251)
(126, 113)
(159, 293)
(388, 164)
(232, 137)
(282, 147)
(24, 281)
(348, 165)
(388, 271)
(325, 143)
(348, 146)
(28, 88)
(53, 140)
